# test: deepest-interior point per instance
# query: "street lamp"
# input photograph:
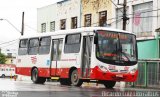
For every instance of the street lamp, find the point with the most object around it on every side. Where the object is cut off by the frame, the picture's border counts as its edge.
(11, 24)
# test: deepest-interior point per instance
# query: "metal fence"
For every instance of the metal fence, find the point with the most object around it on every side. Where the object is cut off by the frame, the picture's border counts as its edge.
(149, 74)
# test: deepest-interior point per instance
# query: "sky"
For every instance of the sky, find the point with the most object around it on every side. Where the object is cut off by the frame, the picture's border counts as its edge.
(11, 12)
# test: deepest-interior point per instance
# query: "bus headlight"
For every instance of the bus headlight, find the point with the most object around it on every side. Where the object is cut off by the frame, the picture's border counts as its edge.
(103, 68)
(133, 70)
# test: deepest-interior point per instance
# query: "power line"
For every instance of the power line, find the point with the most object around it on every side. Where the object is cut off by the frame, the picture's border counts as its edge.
(8, 45)
(142, 12)
(98, 22)
(8, 42)
(115, 5)
(30, 27)
(146, 16)
(146, 11)
(11, 24)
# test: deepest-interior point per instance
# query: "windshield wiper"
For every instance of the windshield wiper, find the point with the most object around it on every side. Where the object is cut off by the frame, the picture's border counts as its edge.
(125, 55)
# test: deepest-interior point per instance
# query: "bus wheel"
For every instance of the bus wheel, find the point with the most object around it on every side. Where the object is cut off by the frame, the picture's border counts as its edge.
(35, 78)
(64, 81)
(109, 84)
(3, 76)
(75, 79)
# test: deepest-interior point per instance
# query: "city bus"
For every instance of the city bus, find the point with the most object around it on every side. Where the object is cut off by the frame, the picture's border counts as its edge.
(7, 70)
(90, 54)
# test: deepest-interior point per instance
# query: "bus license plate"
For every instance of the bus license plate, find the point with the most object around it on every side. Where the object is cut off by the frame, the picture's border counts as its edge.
(119, 75)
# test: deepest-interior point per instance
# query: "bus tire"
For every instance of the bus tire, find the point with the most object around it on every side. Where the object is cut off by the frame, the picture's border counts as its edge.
(3, 76)
(64, 81)
(42, 80)
(35, 78)
(75, 81)
(109, 84)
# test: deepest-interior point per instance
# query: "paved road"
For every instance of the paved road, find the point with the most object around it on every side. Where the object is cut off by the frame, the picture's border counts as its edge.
(11, 88)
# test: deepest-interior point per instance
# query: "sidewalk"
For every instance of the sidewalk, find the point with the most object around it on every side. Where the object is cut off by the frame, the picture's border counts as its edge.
(23, 78)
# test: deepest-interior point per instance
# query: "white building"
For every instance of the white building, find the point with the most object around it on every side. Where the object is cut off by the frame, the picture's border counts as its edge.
(61, 15)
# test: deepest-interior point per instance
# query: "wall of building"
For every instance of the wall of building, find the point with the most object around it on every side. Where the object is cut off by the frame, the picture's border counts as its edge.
(130, 23)
(148, 45)
(10, 60)
(158, 12)
(94, 7)
(65, 9)
(46, 15)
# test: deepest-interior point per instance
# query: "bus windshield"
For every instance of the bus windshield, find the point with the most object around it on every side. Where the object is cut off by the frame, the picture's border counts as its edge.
(116, 48)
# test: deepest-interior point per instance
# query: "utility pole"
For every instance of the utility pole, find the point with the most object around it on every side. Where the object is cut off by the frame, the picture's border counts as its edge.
(22, 30)
(125, 18)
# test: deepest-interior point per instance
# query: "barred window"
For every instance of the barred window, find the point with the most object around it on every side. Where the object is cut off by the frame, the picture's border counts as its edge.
(52, 26)
(43, 27)
(73, 22)
(102, 18)
(119, 20)
(63, 24)
(87, 20)
(142, 19)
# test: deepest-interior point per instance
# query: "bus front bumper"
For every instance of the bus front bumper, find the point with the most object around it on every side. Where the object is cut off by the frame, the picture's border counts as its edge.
(98, 74)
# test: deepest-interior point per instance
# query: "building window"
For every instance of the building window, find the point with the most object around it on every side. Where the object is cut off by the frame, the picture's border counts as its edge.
(73, 22)
(87, 20)
(43, 27)
(63, 24)
(52, 26)
(142, 19)
(72, 43)
(102, 18)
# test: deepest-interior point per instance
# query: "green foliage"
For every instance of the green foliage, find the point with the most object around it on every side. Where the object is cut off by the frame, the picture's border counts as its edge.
(2, 58)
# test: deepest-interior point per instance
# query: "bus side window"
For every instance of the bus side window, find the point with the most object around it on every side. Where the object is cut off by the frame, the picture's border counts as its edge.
(72, 43)
(33, 46)
(23, 46)
(44, 47)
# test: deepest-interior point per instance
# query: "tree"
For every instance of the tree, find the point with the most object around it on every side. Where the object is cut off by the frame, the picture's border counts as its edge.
(2, 58)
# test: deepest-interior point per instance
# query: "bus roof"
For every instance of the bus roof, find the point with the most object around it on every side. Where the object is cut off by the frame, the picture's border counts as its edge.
(71, 31)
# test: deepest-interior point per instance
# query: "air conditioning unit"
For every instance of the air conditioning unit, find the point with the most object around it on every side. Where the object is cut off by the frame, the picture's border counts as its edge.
(157, 30)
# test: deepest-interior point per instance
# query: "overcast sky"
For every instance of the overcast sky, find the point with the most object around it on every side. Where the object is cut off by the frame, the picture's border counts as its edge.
(12, 11)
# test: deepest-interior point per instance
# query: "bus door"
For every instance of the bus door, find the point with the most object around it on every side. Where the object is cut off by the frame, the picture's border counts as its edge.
(56, 55)
(86, 56)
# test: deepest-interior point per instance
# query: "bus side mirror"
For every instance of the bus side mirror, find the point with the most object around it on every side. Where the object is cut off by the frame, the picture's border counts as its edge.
(95, 39)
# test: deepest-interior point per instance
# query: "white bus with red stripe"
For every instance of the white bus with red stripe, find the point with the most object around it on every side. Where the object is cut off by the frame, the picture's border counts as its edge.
(92, 54)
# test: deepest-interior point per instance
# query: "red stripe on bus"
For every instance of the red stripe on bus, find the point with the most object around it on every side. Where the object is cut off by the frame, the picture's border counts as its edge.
(95, 73)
